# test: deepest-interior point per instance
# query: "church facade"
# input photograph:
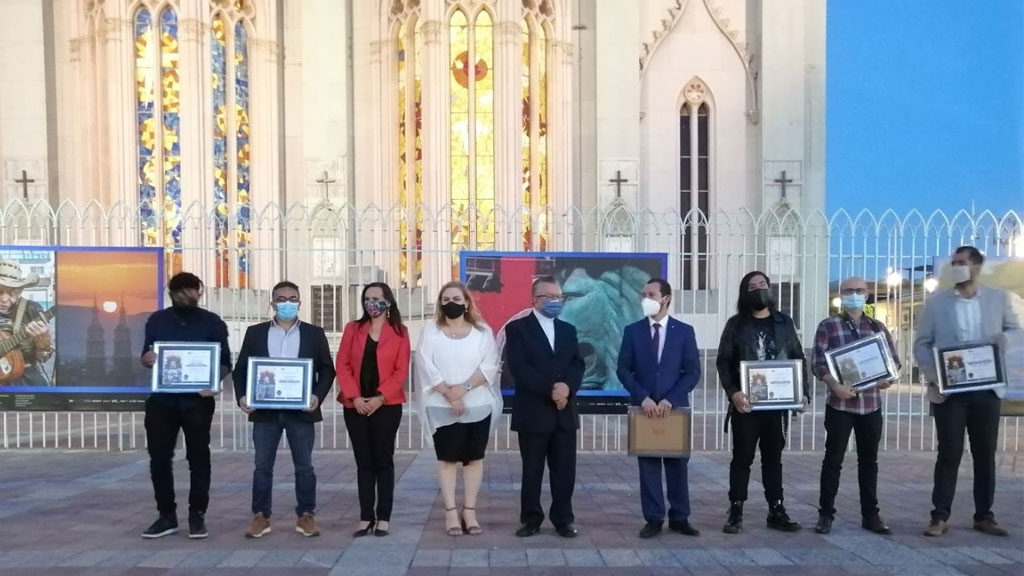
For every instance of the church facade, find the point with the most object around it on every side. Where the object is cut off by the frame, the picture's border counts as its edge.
(334, 142)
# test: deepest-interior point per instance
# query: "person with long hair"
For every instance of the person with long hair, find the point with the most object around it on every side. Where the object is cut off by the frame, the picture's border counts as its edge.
(758, 332)
(373, 364)
(459, 399)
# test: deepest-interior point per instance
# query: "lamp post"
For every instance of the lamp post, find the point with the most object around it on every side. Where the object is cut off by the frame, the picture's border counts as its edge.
(893, 282)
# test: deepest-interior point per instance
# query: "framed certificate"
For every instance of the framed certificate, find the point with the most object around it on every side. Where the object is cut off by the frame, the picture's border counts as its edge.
(969, 366)
(279, 383)
(186, 367)
(667, 437)
(773, 384)
(863, 364)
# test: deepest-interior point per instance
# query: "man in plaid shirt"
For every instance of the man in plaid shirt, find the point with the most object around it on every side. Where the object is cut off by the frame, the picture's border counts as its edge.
(849, 410)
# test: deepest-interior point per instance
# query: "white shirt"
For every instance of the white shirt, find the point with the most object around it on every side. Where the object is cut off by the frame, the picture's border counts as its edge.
(661, 333)
(440, 359)
(548, 325)
(968, 318)
(283, 343)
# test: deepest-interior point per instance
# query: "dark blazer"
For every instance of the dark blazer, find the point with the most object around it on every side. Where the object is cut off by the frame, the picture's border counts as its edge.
(739, 342)
(312, 344)
(536, 369)
(671, 379)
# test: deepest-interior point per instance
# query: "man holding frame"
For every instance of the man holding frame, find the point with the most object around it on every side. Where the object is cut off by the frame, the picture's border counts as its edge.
(966, 313)
(850, 410)
(285, 337)
(190, 412)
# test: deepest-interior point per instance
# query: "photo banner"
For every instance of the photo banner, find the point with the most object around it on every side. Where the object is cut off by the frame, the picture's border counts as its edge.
(72, 326)
(603, 294)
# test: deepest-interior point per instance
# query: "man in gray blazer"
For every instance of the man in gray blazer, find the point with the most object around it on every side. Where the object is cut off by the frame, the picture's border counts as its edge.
(967, 312)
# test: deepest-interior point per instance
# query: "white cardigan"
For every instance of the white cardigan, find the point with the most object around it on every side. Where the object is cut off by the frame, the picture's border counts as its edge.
(440, 359)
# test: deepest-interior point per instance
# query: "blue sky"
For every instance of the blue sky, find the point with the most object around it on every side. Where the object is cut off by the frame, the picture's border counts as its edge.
(925, 105)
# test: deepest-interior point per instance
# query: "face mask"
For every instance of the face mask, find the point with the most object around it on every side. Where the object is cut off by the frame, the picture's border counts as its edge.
(375, 308)
(758, 299)
(183, 302)
(287, 310)
(552, 308)
(453, 310)
(855, 302)
(961, 274)
(650, 307)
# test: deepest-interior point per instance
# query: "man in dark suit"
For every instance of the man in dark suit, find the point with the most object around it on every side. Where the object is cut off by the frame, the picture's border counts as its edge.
(543, 356)
(285, 337)
(659, 365)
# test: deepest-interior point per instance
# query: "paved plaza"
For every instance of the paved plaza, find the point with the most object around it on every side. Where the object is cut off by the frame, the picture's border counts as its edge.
(81, 512)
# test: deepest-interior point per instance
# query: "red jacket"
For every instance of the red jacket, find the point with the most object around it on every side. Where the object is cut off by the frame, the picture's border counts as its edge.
(392, 363)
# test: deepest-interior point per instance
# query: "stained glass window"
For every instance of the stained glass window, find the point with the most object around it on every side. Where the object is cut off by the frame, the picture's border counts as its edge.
(694, 169)
(229, 55)
(533, 78)
(157, 86)
(410, 152)
(471, 121)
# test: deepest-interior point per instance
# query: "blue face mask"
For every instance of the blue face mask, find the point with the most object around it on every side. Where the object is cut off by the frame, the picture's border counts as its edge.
(855, 302)
(287, 310)
(552, 308)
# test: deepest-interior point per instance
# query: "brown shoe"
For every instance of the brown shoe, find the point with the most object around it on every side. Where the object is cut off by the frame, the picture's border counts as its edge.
(259, 526)
(989, 526)
(306, 525)
(936, 528)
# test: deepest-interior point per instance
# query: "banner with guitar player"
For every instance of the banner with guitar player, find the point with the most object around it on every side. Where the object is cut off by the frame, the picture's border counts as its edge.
(72, 323)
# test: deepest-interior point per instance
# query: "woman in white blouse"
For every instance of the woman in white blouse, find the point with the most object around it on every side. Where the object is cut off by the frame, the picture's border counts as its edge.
(459, 398)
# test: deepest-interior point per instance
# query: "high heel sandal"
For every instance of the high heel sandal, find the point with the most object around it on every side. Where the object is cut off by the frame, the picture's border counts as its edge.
(452, 530)
(364, 531)
(474, 530)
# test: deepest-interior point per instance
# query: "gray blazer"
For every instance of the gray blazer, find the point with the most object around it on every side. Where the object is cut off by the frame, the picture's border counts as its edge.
(938, 327)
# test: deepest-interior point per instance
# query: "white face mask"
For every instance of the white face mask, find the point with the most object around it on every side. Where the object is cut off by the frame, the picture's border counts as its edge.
(960, 274)
(650, 307)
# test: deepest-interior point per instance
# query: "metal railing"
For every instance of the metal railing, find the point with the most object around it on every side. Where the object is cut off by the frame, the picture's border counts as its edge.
(332, 251)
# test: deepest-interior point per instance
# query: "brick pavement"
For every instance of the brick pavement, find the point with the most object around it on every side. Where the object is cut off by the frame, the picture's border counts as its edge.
(64, 512)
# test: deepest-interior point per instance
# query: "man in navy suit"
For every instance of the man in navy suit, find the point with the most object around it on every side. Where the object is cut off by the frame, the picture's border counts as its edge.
(285, 337)
(659, 365)
(543, 355)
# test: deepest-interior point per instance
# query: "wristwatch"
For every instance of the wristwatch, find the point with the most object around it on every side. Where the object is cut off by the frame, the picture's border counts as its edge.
(468, 385)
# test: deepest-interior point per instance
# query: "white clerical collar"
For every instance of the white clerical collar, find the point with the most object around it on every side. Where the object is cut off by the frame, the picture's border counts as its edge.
(544, 320)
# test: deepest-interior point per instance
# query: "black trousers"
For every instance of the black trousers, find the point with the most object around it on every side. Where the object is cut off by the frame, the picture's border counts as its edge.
(559, 449)
(164, 418)
(978, 413)
(868, 431)
(767, 428)
(373, 444)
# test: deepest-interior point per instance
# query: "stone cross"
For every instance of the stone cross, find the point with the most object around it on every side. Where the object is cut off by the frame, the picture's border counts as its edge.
(326, 180)
(782, 181)
(24, 181)
(618, 181)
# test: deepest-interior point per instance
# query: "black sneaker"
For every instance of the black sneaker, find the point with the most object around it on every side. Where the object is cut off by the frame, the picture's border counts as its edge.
(778, 519)
(197, 526)
(165, 525)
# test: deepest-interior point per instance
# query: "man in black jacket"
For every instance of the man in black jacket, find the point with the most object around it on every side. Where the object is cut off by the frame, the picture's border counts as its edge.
(166, 413)
(543, 356)
(285, 337)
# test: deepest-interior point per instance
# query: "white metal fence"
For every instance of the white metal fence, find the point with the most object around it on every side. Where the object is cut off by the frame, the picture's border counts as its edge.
(332, 251)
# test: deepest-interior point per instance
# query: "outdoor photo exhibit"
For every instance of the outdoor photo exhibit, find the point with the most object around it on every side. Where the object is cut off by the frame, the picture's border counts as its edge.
(72, 324)
(603, 294)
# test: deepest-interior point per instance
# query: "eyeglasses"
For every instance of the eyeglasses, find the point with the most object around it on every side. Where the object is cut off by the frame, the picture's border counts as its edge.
(852, 291)
(549, 297)
(282, 299)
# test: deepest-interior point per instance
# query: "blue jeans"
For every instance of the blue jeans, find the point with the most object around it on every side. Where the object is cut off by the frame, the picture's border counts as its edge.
(266, 437)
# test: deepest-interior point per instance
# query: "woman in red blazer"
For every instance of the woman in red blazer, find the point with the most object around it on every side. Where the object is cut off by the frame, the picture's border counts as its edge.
(373, 363)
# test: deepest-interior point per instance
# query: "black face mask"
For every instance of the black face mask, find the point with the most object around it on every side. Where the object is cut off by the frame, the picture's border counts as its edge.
(183, 303)
(453, 310)
(758, 299)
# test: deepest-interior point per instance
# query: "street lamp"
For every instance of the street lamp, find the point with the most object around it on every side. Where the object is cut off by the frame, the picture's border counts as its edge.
(930, 284)
(837, 302)
(894, 279)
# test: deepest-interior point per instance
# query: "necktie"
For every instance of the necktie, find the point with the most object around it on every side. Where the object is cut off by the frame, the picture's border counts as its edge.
(656, 341)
